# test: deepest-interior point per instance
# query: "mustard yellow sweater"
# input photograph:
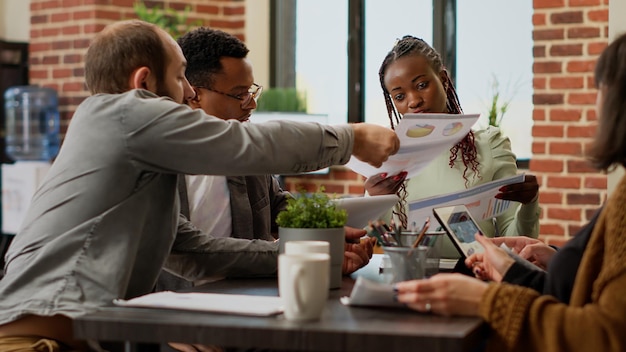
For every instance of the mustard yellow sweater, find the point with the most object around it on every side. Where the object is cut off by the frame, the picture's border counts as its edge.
(595, 320)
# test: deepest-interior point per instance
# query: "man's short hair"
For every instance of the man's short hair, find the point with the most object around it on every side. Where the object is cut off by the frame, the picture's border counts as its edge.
(203, 48)
(120, 49)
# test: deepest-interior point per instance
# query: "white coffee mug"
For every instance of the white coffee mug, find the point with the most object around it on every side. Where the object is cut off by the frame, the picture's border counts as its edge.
(303, 281)
(304, 247)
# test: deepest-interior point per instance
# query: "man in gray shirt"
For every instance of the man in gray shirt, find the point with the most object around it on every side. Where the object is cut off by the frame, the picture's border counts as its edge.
(105, 218)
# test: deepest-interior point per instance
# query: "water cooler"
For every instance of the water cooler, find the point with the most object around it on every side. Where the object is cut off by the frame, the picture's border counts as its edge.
(32, 141)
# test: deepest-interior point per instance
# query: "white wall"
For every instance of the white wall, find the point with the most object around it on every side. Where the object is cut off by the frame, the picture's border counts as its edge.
(15, 20)
(258, 38)
(616, 27)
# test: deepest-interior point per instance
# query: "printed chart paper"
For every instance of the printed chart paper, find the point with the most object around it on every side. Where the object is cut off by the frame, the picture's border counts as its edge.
(422, 138)
(479, 200)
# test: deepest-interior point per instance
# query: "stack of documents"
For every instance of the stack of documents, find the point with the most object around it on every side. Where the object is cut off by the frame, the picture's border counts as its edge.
(208, 302)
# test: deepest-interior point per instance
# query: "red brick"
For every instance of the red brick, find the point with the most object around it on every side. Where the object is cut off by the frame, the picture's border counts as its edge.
(356, 190)
(108, 15)
(546, 165)
(82, 15)
(61, 45)
(585, 3)
(583, 199)
(564, 214)
(72, 59)
(589, 213)
(37, 19)
(239, 10)
(548, 34)
(599, 182)
(546, 197)
(71, 3)
(344, 175)
(567, 17)
(551, 130)
(227, 24)
(81, 43)
(539, 114)
(599, 15)
(71, 30)
(548, 99)
(591, 115)
(50, 60)
(331, 189)
(539, 19)
(50, 32)
(566, 50)
(52, 4)
(61, 73)
(35, 47)
(208, 9)
(565, 114)
(38, 74)
(566, 148)
(582, 98)
(93, 28)
(542, 4)
(538, 147)
(583, 32)
(123, 3)
(547, 67)
(581, 131)
(596, 48)
(551, 229)
(572, 230)
(73, 87)
(539, 51)
(60, 17)
(539, 82)
(581, 66)
(580, 166)
(567, 82)
(564, 182)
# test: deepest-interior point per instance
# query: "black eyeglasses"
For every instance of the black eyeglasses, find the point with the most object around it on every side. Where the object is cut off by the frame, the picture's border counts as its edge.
(254, 92)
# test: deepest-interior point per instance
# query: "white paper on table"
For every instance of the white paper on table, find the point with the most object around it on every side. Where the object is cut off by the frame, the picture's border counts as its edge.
(363, 209)
(479, 200)
(370, 293)
(209, 302)
(422, 138)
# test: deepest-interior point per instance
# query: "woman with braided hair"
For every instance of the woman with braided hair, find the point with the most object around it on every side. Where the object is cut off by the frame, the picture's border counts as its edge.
(414, 80)
(590, 314)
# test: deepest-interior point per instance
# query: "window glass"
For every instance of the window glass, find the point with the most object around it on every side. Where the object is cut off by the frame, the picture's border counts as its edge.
(385, 21)
(493, 44)
(322, 57)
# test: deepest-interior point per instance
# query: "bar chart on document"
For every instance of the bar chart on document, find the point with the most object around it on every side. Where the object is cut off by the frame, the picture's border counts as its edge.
(495, 207)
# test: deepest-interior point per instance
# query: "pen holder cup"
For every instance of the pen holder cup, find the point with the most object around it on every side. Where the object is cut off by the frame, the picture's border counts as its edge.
(433, 241)
(407, 263)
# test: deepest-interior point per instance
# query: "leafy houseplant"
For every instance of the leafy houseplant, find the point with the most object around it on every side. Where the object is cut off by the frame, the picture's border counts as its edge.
(172, 21)
(282, 100)
(314, 211)
(315, 217)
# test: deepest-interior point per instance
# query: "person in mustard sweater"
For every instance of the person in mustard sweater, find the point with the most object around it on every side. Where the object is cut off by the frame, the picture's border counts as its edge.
(414, 80)
(523, 319)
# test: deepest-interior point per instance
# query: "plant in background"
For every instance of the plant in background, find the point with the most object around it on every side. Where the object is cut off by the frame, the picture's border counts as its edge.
(499, 103)
(315, 210)
(170, 20)
(283, 100)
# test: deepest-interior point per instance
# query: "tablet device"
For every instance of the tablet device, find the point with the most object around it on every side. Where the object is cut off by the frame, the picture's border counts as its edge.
(363, 209)
(460, 226)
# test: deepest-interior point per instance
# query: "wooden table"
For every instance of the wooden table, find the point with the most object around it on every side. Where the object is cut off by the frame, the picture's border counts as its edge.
(341, 328)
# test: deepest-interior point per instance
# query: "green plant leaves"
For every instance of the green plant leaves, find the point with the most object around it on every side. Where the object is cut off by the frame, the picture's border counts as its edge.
(315, 210)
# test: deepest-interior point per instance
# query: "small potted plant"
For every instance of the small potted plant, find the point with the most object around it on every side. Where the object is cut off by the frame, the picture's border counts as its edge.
(315, 217)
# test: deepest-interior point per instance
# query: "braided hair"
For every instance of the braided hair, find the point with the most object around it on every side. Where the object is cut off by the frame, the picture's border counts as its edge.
(465, 149)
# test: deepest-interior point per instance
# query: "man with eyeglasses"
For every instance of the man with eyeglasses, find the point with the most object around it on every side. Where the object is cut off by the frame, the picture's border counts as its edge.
(233, 206)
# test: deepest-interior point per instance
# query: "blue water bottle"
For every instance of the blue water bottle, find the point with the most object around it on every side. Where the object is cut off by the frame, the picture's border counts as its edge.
(31, 123)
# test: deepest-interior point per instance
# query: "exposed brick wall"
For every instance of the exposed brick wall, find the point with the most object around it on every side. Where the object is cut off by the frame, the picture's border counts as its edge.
(568, 37)
(61, 31)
